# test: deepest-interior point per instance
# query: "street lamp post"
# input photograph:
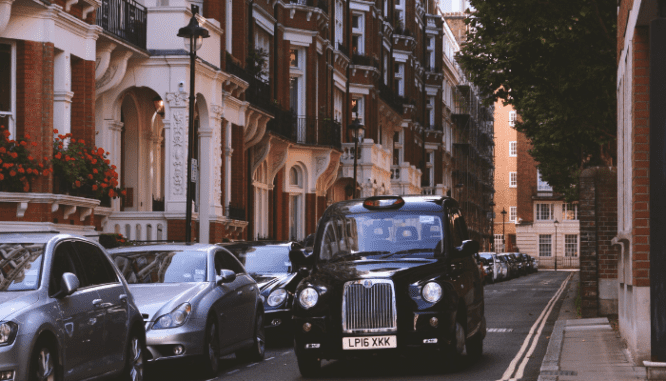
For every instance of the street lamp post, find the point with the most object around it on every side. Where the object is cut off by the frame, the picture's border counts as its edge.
(555, 253)
(357, 129)
(503, 238)
(193, 35)
(492, 226)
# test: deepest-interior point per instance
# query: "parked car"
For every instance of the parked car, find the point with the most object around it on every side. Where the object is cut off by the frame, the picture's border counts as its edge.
(197, 300)
(268, 263)
(520, 263)
(535, 263)
(389, 274)
(66, 312)
(488, 272)
(527, 260)
(499, 268)
(512, 265)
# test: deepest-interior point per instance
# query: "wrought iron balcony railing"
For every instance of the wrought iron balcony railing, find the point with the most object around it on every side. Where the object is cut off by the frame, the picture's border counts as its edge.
(125, 19)
(258, 93)
(306, 130)
(363, 60)
(395, 101)
(321, 4)
(236, 212)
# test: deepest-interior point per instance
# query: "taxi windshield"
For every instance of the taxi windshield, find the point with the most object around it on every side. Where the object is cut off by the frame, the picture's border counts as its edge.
(381, 235)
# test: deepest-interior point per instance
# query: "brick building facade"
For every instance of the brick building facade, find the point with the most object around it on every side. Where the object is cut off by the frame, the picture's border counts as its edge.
(277, 85)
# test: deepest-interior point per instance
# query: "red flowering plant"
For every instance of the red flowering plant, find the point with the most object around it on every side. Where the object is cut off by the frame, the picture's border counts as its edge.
(84, 171)
(18, 167)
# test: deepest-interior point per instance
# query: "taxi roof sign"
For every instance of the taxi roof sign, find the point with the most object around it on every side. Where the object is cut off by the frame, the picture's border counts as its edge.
(383, 202)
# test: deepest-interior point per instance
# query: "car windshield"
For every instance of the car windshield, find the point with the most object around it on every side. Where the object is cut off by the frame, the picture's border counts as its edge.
(381, 235)
(486, 256)
(20, 266)
(264, 259)
(162, 266)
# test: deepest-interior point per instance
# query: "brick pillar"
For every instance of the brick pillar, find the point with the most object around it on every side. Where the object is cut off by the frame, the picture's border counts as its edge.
(34, 101)
(83, 102)
(598, 225)
(310, 213)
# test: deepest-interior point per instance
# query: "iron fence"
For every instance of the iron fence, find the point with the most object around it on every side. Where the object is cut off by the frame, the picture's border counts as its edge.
(125, 19)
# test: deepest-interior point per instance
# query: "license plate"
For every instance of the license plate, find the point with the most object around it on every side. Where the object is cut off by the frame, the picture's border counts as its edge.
(369, 342)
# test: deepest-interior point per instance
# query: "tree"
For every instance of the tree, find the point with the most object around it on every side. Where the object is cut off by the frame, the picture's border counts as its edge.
(554, 61)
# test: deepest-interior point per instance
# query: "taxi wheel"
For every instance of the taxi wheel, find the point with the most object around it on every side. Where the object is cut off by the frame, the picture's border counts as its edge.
(257, 350)
(210, 360)
(43, 363)
(308, 365)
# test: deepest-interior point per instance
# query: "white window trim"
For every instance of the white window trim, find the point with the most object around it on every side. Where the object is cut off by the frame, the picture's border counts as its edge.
(512, 118)
(513, 213)
(431, 52)
(360, 31)
(513, 179)
(400, 76)
(513, 149)
(12, 106)
(360, 103)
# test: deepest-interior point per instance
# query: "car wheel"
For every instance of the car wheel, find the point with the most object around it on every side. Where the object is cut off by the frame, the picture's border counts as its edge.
(308, 365)
(257, 350)
(43, 363)
(211, 353)
(456, 347)
(134, 366)
(474, 346)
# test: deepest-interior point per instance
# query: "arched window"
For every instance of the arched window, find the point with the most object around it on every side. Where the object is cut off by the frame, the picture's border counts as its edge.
(296, 203)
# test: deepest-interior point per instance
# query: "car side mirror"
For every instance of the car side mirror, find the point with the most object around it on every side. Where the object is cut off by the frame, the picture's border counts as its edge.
(69, 283)
(226, 276)
(469, 247)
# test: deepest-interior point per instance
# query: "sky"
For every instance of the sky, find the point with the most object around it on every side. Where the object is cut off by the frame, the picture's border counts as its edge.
(453, 5)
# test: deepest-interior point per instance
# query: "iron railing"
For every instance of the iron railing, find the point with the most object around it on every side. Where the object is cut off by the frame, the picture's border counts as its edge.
(236, 212)
(258, 93)
(125, 19)
(364, 60)
(321, 4)
(306, 130)
(396, 102)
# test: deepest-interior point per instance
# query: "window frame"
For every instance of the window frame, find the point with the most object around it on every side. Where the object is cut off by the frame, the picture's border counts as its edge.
(512, 118)
(513, 179)
(513, 213)
(539, 210)
(11, 114)
(359, 32)
(545, 245)
(513, 148)
(399, 77)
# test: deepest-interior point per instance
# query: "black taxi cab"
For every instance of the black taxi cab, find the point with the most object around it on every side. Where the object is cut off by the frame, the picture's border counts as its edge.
(388, 275)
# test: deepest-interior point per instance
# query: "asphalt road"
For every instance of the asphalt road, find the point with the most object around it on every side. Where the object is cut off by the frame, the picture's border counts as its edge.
(520, 314)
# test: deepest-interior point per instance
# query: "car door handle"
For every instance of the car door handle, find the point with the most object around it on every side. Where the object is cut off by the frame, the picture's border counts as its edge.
(240, 292)
(97, 302)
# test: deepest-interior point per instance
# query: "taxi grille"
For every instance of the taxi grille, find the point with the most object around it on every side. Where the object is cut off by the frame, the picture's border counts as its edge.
(368, 305)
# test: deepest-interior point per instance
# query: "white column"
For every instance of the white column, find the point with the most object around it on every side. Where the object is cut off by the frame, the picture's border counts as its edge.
(62, 93)
(206, 189)
(114, 129)
(175, 157)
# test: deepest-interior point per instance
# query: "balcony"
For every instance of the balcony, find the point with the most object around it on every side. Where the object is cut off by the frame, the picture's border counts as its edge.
(373, 166)
(125, 19)
(405, 179)
(364, 60)
(258, 93)
(236, 212)
(396, 102)
(138, 226)
(305, 129)
(321, 4)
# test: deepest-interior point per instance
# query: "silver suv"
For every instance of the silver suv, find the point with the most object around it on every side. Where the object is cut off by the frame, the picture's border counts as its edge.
(65, 311)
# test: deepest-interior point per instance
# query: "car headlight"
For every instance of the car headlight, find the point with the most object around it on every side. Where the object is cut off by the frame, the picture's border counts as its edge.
(308, 298)
(277, 297)
(175, 318)
(432, 292)
(7, 332)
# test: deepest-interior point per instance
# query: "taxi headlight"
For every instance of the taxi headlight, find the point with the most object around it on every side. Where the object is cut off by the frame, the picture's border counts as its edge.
(175, 318)
(308, 298)
(277, 297)
(432, 292)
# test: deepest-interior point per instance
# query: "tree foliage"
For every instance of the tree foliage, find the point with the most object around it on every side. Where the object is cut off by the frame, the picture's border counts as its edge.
(554, 61)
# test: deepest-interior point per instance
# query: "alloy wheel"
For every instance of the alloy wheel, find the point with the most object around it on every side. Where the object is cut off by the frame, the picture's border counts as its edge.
(136, 359)
(45, 367)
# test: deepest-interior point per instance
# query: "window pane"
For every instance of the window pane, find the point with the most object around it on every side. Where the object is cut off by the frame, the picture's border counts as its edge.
(5, 80)
(545, 245)
(571, 245)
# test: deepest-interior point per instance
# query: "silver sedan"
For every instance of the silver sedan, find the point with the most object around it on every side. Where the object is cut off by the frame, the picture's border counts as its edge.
(196, 300)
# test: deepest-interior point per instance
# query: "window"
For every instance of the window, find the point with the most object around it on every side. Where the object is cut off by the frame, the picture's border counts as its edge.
(294, 177)
(296, 207)
(400, 78)
(513, 212)
(337, 105)
(499, 243)
(8, 87)
(397, 148)
(297, 90)
(431, 168)
(542, 186)
(385, 67)
(431, 53)
(358, 33)
(545, 245)
(431, 112)
(513, 179)
(339, 25)
(96, 266)
(400, 13)
(512, 118)
(571, 245)
(513, 149)
(262, 44)
(358, 107)
(569, 212)
(544, 212)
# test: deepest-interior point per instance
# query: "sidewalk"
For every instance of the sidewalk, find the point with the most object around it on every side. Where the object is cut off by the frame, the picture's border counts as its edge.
(586, 349)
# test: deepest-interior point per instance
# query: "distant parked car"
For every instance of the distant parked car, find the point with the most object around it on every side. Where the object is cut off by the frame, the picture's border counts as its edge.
(197, 300)
(512, 265)
(488, 270)
(529, 264)
(520, 262)
(66, 312)
(268, 263)
(500, 268)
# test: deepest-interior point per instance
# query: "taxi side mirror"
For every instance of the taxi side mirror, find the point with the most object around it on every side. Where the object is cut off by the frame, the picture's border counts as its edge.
(468, 247)
(225, 276)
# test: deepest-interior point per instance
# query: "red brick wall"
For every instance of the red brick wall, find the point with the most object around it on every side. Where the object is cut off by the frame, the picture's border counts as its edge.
(240, 30)
(83, 102)
(527, 178)
(641, 158)
(238, 167)
(310, 213)
(34, 100)
(176, 230)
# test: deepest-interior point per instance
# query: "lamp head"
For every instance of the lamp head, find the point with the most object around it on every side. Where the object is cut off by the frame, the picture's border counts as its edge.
(193, 32)
(356, 127)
